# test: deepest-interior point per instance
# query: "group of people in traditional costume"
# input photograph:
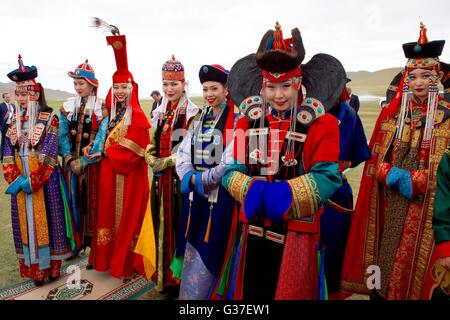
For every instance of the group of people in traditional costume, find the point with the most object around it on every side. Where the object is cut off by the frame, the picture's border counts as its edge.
(248, 198)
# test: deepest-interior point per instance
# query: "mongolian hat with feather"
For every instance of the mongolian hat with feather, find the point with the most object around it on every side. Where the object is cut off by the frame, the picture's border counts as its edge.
(119, 44)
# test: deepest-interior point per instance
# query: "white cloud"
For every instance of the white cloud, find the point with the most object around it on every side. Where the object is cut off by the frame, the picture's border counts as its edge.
(56, 36)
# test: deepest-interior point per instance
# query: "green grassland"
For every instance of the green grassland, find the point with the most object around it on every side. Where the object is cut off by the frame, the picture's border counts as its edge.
(8, 264)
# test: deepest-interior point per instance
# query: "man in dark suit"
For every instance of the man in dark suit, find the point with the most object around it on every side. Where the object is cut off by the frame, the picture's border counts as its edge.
(6, 113)
(354, 100)
(156, 96)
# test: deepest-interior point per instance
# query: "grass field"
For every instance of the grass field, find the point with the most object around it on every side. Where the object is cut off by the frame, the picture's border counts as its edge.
(8, 263)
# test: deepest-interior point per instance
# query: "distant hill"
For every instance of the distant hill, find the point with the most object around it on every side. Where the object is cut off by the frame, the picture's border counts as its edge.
(49, 93)
(371, 83)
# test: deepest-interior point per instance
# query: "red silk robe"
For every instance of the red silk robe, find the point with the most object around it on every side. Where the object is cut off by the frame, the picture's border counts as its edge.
(414, 254)
(123, 198)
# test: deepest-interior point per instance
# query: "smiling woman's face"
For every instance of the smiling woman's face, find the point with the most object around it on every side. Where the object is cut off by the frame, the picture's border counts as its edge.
(173, 90)
(280, 95)
(214, 93)
(120, 91)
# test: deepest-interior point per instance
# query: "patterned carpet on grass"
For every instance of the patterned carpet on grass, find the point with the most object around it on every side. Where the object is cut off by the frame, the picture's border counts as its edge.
(93, 286)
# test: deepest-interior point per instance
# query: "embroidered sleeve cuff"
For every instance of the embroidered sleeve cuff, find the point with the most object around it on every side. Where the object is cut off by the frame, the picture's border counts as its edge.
(443, 249)
(171, 161)
(133, 146)
(306, 197)
(150, 152)
(237, 184)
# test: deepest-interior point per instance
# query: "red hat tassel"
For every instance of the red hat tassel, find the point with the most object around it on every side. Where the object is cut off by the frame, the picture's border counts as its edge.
(278, 42)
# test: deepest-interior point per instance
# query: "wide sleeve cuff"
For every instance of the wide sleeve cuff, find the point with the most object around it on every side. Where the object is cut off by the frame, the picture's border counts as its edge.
(305, 196)
(443, 249)
(198, 186)
(14, 187)
(237, 184)
(132, 146)
(150, 150)
(185, 182)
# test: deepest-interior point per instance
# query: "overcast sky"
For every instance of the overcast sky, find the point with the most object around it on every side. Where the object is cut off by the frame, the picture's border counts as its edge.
(56, 35)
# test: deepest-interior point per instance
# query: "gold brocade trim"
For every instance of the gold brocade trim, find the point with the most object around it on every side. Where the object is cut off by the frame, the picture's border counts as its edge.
(416, 138)
(43, 158)
(406, 134)
(150, 150)
(39, 210)
(306, 196)
(104, 236)
(133, 146)
(238, 184)
(120, 182)
(372, 237)
(441, 138)
(114, 136)
(160, 256)
(439, 116)
(354, 287)
(8, 160)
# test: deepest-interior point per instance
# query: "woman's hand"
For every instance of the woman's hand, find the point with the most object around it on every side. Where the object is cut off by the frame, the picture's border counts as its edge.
(94, 155)
(87, 151)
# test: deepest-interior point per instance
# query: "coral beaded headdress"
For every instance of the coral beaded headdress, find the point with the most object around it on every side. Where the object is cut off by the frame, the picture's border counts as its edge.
(422, 54)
